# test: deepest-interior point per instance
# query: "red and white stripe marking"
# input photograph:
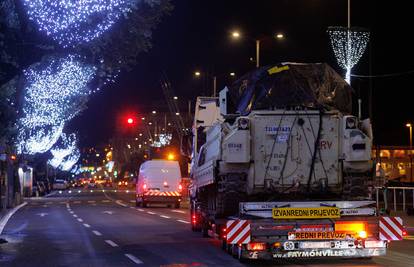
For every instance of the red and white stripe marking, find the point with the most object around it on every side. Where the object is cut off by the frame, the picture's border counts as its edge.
(164, 194)
(391, 228)
(238, 232)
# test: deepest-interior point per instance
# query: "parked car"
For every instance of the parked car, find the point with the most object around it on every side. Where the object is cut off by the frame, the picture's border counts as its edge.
(92, 184)
(59, 184)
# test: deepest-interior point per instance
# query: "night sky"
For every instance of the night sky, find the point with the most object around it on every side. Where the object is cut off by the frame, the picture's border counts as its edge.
(196, 36)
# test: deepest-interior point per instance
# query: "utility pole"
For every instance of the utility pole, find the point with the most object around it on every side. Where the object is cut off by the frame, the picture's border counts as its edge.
(257, 53)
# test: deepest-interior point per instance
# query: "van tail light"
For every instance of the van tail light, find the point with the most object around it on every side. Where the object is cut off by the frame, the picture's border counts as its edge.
(119, 183)
(180, 187)
(404, 233)
(165, 183)
(194, 219)
(126, 183)
(144, 187)
(256, 246)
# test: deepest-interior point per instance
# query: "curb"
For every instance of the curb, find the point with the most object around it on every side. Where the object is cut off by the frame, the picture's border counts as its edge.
(9, 214)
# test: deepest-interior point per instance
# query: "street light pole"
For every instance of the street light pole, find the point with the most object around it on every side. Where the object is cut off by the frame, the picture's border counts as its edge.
(257, 53)
(410, 126)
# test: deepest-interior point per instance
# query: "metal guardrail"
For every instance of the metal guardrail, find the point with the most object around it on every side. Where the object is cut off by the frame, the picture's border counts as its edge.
(399, 197)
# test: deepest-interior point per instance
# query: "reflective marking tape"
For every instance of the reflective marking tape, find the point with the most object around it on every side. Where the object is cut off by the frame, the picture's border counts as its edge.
(238, 232)
(391, 228)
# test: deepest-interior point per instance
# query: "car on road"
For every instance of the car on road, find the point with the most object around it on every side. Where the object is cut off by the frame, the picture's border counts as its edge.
(159, 182)
(123, 184)
(92, 184)
(60, 184)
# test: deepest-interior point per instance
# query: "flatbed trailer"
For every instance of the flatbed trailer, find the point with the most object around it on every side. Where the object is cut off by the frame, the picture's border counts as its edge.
(304, 230)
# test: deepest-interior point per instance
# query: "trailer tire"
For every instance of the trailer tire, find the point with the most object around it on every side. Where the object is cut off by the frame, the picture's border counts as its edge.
(137, 203)
(144, 204)
(177, 205)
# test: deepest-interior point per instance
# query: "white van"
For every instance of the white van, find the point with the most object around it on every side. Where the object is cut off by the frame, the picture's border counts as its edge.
(159, 182)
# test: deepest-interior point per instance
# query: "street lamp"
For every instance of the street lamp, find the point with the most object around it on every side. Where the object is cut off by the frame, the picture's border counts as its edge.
(237, 35)
(197, 73)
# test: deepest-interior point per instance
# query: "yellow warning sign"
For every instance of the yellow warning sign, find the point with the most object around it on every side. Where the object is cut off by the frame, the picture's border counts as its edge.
(316, 235)
(306, 213)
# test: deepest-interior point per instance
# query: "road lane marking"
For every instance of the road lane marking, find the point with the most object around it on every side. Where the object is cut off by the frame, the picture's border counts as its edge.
(150, 212)
(133, 258)
(80, 220)
(140, 210)
(178, 211)
(97, 233)
(91, 201)
(76, 202)
(111, 243)
(71, 212)
(7, 216)
(182, 221)
(86, 225)
(44, 206)
(119, 202)
(166, 217)
(108, 212)
(43, 214)
(106, 201)
(131, 207)
(74, 215)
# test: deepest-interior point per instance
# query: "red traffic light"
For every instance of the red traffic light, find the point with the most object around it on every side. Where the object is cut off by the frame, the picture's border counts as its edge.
(130, 120)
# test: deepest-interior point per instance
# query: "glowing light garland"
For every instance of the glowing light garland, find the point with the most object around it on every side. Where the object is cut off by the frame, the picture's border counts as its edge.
(349, 45)
(70, 160)
(52, 97)
(70, 22)
(39, 139)
(68, 143)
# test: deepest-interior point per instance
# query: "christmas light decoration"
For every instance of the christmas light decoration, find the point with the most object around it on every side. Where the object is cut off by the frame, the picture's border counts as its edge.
(163, 140)
(54, 94)
(71, 22)
(70, 160)
(39, 139)
(66, 147)
(348, 44)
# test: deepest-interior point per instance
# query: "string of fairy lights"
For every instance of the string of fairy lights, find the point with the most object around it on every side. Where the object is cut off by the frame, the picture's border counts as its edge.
(348, 44)
(73, 22)
(67, 146)
(55, 89)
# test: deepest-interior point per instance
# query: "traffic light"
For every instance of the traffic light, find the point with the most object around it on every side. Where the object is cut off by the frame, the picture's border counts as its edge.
(130, 120)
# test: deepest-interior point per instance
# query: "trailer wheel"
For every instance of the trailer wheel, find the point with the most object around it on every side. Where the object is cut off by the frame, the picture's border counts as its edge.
(144, 204)
(137, 203)
(177, 205)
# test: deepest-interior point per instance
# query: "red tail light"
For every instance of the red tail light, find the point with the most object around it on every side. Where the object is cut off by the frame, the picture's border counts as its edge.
(144, 187)
(180, 187)
(256, 246)
(404, 233)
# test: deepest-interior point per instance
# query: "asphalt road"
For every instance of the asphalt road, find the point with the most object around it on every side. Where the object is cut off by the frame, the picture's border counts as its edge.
(106, 229)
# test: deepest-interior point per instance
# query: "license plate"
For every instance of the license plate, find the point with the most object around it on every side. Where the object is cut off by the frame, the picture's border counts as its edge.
(315, 245)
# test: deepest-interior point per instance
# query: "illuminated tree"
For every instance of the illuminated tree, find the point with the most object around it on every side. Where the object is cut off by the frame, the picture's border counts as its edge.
(55, 92)
(63, 149)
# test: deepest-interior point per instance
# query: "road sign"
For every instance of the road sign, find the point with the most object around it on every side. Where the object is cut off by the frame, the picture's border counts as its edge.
(306, 213)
